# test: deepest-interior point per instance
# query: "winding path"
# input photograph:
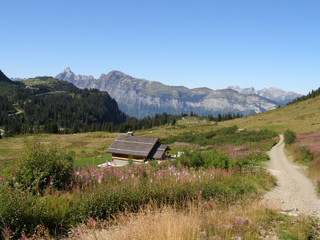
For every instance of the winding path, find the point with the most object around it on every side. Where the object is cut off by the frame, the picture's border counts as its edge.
(294, 192)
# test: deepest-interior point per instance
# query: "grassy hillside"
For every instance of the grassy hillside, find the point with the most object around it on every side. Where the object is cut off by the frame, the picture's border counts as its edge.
(49, 84)
(301, 117)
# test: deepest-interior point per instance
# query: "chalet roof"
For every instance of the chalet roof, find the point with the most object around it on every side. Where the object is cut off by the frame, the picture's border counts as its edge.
(158, 151)
(144, 147)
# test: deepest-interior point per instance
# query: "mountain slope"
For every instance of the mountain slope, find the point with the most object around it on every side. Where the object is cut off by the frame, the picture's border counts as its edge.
(49, 84)
(5, 79)
(275, 94)
(46, 104)
(140, 98)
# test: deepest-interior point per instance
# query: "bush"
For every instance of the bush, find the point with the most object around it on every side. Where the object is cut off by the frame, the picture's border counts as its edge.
(305, 154)
(23, 211)
(43, 166)
(196, 159)
(217, 159)
(289, 137)
(16, 210)
(192, 159)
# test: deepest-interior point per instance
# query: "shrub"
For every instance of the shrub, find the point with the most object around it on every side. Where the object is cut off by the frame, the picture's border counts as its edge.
(43, 166)
(305, 155)
(23, 211)
(192, 159)
(289, 137)
(216, 159)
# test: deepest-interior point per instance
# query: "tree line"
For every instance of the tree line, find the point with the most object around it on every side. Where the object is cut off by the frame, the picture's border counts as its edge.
(312, 94)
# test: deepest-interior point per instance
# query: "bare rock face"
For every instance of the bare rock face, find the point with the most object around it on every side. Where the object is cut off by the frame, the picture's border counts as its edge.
(276, 94)
(141, 98)
(80, 81)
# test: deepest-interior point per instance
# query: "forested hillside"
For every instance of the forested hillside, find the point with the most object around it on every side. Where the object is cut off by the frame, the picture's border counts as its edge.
(45, 104)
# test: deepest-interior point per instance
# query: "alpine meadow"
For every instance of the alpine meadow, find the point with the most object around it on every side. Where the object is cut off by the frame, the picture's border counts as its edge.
(162, 120)
(52, 186)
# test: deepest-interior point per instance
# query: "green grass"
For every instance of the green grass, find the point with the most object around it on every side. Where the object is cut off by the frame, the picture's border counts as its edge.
(91, 161)
(272, 127)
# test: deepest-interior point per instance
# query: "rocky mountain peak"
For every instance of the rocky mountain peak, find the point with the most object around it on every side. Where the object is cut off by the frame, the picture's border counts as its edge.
(68, 70)
(69, 76)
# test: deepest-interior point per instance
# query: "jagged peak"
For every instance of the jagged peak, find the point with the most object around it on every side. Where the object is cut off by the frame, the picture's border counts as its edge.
(68, 69)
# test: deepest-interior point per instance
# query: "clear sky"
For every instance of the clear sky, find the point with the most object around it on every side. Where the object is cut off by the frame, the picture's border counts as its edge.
(214, 44)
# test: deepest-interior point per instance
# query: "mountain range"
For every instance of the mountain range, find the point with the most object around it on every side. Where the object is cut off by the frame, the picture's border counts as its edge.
(141, 98)
(276, 94)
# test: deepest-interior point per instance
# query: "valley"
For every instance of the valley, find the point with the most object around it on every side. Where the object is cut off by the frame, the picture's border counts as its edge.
(223, 171)
(159, 120)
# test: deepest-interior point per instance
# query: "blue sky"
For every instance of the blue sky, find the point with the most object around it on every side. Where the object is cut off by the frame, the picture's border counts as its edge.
(215, 44)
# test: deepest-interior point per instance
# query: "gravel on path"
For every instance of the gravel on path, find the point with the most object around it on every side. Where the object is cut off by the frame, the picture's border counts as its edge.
(294, 193)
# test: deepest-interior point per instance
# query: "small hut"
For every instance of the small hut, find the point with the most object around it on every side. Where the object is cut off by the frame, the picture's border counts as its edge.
(129, 147)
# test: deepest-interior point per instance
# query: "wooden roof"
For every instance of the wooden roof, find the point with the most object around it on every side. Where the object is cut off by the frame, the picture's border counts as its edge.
(142, 147)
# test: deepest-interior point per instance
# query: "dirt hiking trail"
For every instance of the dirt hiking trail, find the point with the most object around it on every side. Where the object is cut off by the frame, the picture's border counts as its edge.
(294, 193)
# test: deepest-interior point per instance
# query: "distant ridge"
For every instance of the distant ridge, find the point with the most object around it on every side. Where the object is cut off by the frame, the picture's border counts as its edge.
(272, 93)
(141, 98)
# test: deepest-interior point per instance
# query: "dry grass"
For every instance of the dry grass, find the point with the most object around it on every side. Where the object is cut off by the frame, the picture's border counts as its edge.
(301, 117)
(84, 144)
(204, 220)
(201, 220)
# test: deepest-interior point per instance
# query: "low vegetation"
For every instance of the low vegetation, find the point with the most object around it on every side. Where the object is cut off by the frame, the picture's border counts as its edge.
(213, 188)
(88, 192)
(306, 151)
(221, 136)
(200, 220)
